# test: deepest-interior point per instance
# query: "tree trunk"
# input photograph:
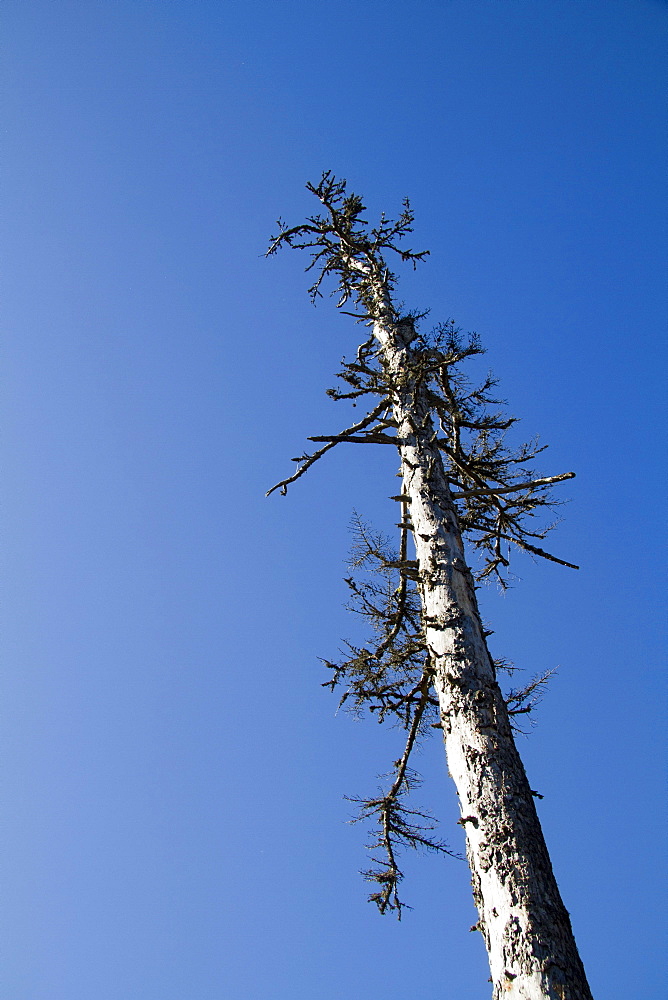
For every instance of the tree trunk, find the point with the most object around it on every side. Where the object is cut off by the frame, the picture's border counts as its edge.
(526, 928)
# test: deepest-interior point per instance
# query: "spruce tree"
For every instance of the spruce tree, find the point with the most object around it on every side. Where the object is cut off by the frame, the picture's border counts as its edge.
(426, 665)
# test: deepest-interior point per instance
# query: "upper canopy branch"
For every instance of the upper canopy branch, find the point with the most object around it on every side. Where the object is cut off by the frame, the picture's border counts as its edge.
(495, 488)
(343, 245)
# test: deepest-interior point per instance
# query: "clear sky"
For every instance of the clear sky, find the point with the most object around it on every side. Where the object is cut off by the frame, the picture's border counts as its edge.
(174, 815)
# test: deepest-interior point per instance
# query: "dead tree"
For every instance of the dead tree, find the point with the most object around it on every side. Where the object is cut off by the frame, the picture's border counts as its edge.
(428, 665)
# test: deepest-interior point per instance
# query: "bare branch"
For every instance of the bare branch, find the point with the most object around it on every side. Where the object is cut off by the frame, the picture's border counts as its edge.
(371, 438)
(493, 491)
(309, 460)
(538, 552)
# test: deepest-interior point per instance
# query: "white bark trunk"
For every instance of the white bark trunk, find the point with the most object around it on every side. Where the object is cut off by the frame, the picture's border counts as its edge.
(526, 928)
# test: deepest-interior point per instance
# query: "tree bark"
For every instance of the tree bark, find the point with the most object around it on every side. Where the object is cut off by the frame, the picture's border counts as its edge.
(526, 928)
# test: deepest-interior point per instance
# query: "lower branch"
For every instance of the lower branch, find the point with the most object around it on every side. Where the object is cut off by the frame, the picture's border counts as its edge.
(400, 826)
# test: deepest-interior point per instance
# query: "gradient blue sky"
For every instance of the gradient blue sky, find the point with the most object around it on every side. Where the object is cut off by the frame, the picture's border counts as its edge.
(175, 826)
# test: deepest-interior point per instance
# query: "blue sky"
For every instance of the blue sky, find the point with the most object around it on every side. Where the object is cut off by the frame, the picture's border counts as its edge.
(175, 825)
